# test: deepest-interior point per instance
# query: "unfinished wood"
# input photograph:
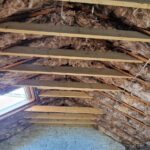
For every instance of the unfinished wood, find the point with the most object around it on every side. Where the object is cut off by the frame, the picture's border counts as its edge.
(58, 85)
(72, 71)
(145, 4)
(67, 31)
(69, 54)
(55, 116)
(62, 109)
(62, 122)
(68, 94)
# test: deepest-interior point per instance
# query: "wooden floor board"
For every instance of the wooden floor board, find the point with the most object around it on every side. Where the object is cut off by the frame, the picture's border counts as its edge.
(57, 85)
(65, 94)
(72, 71)
(145, 4)
(77, 32)
(62, 109)
(69, 54)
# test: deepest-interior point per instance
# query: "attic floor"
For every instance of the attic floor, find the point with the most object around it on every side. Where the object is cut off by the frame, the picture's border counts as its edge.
(60, 138)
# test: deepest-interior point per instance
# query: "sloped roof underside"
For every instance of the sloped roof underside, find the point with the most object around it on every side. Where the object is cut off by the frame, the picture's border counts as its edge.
(127, 113)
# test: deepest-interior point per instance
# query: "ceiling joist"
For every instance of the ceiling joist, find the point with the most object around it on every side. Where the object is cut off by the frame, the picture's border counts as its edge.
(69, 54)
(61, 116)
(78, 32)
(62, 122)
(65, 94)
(62, 109)
(145, 4)
(57, 85)
(72, 71)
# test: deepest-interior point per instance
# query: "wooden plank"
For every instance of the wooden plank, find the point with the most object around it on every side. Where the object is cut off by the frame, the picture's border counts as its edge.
(67, 31)
(72, 71)
(57, 85)
(68, 94)
(58, 116)
(62, 109)
(145, 4)
(69, 54)
(54, 122)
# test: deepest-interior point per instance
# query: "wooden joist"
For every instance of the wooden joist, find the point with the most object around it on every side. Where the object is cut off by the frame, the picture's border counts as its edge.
(61, 116)
(62, 109)
(72, 71)
(58, 85)
(67, 31)
(145, 4)
(64, 94)
(62, 122)
(69, 54)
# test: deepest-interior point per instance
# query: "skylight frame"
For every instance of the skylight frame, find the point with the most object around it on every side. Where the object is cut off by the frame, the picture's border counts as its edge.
(29, 91)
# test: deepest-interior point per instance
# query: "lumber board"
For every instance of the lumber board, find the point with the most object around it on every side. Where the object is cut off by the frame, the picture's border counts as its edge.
(68, 94)
(58, 85)
(69, 54)
(62, 122)
(62, 109)
(61, 116)
(72, 71)
(77, 32)
(144, 4)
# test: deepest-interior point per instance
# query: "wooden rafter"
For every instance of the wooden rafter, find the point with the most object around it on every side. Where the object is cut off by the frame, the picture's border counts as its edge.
(68, 94)
(69, 54)
(72, 71)
(55, 85)
(67, 31)
(62, 109)
(145, 4)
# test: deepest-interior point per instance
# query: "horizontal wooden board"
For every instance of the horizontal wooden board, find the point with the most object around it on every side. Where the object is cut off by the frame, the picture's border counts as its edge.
(60, 116)
(68, 94)
(67, 31)
(57, 85)
(69, 54)
(62, 109)
(72, 71)
(145, 4)
(63, 122)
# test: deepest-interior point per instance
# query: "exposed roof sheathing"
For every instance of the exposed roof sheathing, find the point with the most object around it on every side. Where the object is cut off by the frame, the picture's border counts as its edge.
(126, 109)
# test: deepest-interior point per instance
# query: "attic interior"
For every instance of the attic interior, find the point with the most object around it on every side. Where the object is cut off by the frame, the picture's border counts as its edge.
(74, 73)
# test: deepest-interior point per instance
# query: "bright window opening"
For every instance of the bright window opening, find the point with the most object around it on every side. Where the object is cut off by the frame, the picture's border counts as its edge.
(15, 99)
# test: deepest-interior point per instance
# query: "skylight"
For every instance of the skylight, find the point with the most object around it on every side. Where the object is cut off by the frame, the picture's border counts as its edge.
(13, 100)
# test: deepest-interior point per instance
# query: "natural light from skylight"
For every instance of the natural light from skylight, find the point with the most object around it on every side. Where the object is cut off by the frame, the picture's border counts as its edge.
(13, 100)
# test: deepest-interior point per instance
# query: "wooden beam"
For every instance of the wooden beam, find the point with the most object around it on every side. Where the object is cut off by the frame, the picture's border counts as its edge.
(62, 109)
(145, 4)
(68, 94)
(72, 71)
(78, 32)
(62, 122)
(69, 54)
(58, 85)
(61, 116)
